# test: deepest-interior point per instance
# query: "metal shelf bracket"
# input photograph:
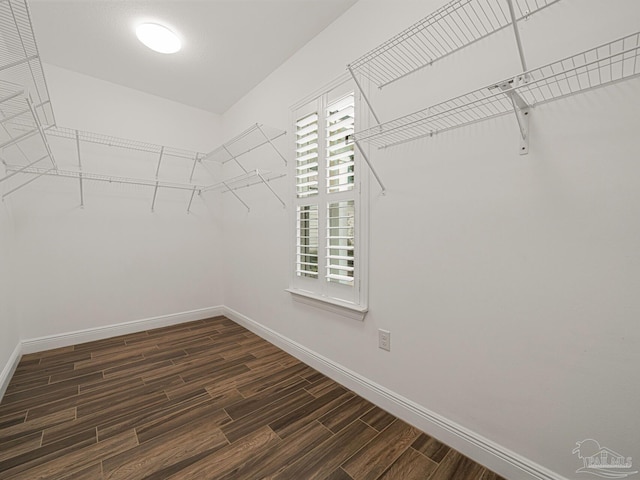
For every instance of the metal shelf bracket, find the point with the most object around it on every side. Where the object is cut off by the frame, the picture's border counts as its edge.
(521, 109)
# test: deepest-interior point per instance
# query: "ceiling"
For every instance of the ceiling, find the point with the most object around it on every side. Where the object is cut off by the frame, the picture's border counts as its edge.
(229, 46)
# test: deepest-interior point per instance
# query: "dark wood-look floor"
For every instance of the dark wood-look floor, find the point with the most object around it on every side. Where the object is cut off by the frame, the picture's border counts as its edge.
(202, 400)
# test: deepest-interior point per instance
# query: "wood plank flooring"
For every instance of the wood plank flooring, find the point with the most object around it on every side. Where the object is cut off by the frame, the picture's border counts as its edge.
(203, 400)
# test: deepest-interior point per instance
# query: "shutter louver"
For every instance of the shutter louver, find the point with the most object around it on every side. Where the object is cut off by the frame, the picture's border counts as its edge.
(340, 242)
(339, 147)
(307, 241)
(307, 156)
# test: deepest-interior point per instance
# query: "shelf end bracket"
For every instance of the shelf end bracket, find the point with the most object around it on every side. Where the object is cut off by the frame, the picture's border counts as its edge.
(522, 111)
(366, 99)
(229, 189)
(373, 170)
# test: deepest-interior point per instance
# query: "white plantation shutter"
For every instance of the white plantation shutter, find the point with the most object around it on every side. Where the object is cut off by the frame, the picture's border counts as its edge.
(340, 123)
(329, 262)
(307, 156)
(307, 241)
(340, 242)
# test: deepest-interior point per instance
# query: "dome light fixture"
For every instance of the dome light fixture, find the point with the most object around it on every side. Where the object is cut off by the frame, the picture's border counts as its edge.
(158, 38)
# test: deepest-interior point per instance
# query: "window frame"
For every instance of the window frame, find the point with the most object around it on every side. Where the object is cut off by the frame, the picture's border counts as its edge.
(347, 300)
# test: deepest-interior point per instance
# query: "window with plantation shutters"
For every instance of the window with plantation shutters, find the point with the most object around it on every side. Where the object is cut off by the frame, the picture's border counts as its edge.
(329, 220)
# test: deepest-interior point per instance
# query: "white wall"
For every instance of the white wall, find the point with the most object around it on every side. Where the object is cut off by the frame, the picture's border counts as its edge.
(95, 105)
(114, 261)
(509, 283)
(9, 337)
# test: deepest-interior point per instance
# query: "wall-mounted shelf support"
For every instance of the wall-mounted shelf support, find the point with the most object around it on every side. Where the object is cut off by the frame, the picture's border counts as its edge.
(271, 143)
(233, 184)
(41, 132)
(229, 189)
(603, 65)
(451, 28)
(234, 158)
(155, 191)
(516, 32)
(521, 110)
(193, 192)
(364, 95)
(252, 138)
(284, 205)
(155, 194)
(193, 169)
(79, 169)
(373, 170)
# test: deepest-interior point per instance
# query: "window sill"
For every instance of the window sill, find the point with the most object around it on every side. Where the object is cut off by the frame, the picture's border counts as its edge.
(350, 310)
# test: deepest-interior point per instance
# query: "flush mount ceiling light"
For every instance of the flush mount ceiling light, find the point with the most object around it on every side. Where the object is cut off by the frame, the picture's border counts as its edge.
(158, 37)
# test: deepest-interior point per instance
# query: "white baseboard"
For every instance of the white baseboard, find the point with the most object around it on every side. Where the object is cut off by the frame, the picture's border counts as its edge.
(496, 457)
(9, 369)
(40, 344)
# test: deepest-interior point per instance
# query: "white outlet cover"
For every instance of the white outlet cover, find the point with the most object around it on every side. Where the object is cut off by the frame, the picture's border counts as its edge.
(384, 340)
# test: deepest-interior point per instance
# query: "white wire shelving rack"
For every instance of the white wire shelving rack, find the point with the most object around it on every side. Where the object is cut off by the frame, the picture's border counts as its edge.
(451, 28)
(247, 179)
(22, 137)
(603, 65)
(124, 143)
(254, 137)
(19, 57)
(27, 123)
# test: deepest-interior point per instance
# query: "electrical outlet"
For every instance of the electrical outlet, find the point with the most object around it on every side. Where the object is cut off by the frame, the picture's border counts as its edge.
(384, 340)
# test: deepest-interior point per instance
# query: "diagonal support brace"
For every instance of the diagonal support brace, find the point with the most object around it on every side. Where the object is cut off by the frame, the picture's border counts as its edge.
(235, 159)
(522, 111)
(284, 205)
(366, 99)
(80, 169)
(155, 190)
(271, 143)
(373, 170)
(229, 189)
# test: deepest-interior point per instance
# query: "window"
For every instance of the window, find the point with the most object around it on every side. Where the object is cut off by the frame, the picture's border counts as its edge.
(330, 220)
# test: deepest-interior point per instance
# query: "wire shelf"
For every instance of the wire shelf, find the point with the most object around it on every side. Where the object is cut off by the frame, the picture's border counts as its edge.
(252, 181)
(19, 57)
(105, 178)
(124, 143)
(452, 27)
(603, 65)
(233, 182)
(21, 134)
(252, 138)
